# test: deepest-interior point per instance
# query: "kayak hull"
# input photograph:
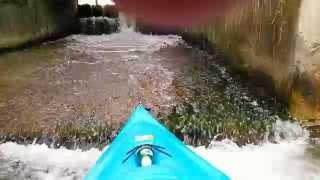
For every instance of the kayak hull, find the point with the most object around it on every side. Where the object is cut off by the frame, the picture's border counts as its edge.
(180, 163)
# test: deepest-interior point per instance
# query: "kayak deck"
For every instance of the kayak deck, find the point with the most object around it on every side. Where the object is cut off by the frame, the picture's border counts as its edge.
(176, 161)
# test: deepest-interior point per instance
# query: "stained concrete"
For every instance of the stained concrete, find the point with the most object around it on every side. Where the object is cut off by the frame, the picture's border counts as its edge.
(26, 21)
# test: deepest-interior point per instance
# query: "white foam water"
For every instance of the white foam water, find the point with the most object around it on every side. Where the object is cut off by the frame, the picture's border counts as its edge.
(123, 42)
(283, 161)
(93, 2)
(41, 162)
(286, 160)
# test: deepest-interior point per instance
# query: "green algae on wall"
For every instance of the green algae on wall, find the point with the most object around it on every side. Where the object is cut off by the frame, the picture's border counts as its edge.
(305, 97)
(25, 21)
(258, 37)
(268, 37)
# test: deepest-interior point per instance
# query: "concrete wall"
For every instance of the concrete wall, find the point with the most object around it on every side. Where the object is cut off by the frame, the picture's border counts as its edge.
(24, 21)
(305, 97)
(274, 41)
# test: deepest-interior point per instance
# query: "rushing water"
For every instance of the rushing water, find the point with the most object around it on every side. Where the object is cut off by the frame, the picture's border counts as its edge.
(290, 159)
(91, 80)
(87, 79)
(98, 25)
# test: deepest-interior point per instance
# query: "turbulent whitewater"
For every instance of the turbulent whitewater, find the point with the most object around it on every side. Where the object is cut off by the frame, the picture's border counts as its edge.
(288, 159)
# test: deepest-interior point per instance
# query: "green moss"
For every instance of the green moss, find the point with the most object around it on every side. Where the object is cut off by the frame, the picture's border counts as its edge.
(258, 39)
(223, 108)
(257, 36)
(85, 135)
(69, 135)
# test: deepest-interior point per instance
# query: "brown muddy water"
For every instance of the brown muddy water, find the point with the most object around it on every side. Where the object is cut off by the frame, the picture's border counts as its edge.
(86, 86)
(89, 78)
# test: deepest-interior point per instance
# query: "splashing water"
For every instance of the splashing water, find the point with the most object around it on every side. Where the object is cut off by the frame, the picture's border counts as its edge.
(126, 23)
(286, 160)
(283, 161)
(93, 2)
(41, 162)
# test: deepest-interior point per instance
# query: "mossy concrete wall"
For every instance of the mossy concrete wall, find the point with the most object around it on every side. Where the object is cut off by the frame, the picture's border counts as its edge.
(25, 21)
(305, 96)
(270, 40)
